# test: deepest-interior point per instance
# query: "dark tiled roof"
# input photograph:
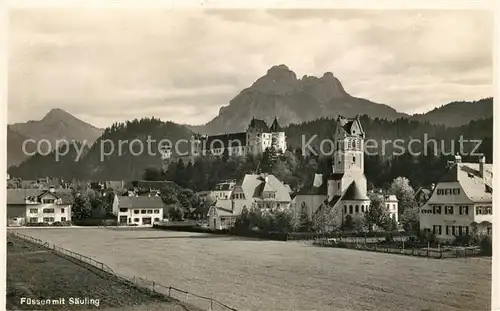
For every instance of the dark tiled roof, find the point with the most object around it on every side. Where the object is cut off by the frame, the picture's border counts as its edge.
(334, 200)
(311, 190)
(18, 196)
(225, 140)
(354, 194)
(336, 176)
(275, 127)
(140, 202)
(259, 124)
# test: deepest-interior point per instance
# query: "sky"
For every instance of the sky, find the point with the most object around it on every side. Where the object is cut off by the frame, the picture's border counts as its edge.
(105, 66)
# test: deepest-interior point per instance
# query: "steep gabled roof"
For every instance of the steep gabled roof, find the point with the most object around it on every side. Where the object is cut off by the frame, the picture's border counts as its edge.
(18, 196)
(348, 125)
(253, 185)
(275, 127)
(259, 124)
(354, 194)
(140, 202)
(478, 189)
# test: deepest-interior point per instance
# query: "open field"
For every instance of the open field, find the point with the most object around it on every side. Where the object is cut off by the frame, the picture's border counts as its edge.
(266, 275)
(35, 272)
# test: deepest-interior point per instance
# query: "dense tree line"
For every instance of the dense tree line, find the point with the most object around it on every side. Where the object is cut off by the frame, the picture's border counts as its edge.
(128, 163)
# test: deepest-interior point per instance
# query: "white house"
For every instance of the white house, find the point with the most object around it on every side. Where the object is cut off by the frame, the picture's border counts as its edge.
(461, 202)
(38, 206)
(391, 203)
(223, 189)
(264, 191)
(138, 210)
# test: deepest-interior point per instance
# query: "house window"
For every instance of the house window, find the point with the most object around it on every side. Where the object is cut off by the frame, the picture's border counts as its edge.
(62, 209)
(143, 211)
(345, 209)
(479, 210)
(33, 210)
(436, 229)
(466, 230)
(136, 219)
(156, 211)
(63, 218)
(150, 211)
(350, 209)
(448, 210)
(48, 210)
(33, 220)
(157, 219)
(453, 232)
(464, 210)
(488, 231)
(357, 208)
(447, 230)
(136, 211)
(48, 219)
(338, 185)
(436, 209)
(353, 159)
(124, 210)
(48, 201)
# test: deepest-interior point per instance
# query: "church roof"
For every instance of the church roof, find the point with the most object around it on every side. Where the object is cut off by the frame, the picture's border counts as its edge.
(350, 124)
(336, 176)
(259, 124)
(354, 194)
(275, 127)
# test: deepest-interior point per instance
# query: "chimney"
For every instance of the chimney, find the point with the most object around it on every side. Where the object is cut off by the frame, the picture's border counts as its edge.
(52, 189)
(433, 186)
(482, 161)
(458, 158)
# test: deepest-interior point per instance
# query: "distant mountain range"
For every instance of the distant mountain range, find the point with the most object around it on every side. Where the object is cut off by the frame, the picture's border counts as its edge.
(57, 124)
(278, 93)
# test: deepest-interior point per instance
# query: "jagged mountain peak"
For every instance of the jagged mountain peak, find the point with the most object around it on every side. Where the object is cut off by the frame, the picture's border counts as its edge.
(279, 93)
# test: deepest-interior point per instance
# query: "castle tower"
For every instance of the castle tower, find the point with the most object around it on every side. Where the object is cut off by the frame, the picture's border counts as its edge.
(258, 137)
(348, 157)
(278, 136)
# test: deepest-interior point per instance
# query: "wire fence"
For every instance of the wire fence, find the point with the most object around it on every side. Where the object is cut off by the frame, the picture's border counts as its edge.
(204, 302)
(439, 253)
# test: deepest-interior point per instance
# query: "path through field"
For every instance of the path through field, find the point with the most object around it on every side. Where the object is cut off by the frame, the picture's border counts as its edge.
(271, 276)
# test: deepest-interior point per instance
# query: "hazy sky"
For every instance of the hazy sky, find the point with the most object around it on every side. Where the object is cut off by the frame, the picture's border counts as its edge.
(112, 65)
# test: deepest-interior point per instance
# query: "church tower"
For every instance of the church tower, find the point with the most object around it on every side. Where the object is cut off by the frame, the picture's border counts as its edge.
(348, 157)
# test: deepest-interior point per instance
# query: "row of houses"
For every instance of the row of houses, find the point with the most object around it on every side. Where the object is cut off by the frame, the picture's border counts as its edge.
(49, 206)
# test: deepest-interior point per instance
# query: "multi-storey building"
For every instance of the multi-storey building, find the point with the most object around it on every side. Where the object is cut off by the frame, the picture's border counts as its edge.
(461, 202)
(264, 192)
(138, 210)
(38, 206)
(257, 138)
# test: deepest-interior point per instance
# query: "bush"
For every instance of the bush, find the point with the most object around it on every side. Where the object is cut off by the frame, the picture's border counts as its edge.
(462, 240)
(57, 224)
(486, 246)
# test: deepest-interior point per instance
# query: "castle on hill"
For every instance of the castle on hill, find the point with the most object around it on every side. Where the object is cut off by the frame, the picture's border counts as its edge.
(255, 140)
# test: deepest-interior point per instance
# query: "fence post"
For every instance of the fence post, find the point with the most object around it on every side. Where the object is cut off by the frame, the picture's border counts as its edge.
(211, 304)
(153, 289)
(441, 253)
(169, 291)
